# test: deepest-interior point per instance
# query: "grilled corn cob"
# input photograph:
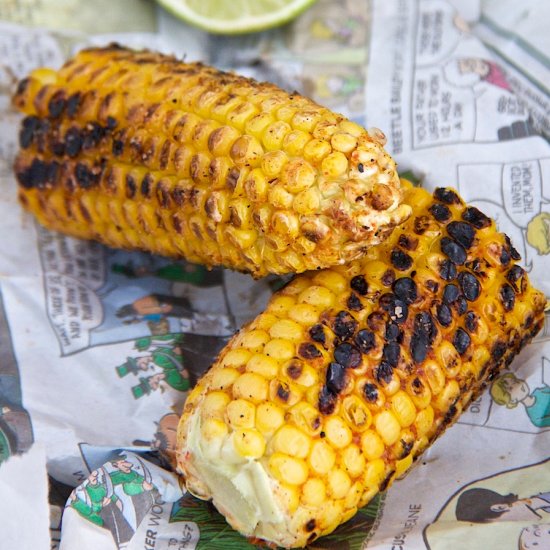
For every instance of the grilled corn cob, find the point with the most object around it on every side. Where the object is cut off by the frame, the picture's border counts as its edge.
(350, 373)
(139, 150)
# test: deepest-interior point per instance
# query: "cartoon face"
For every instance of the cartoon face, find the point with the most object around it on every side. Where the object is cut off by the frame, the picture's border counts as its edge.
(538, 233)
(143, 362)
(535, 537)
(518, 389)
(473, 65)
(515, 511)
(123, 465)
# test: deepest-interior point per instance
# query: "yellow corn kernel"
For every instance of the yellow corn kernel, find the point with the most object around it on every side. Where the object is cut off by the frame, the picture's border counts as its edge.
(289, 495)
(254, 340)
(273, 163)
(246, 151)
(287, 469)
(214, 405)
(343, 142)
(256, 186)
(401, 466)
(350, 127)
(300, 373)
(435, 376)
(337, 432)
(448, 396)
(322, 457)
(334, 165)
(280, 198)
(353, 496)
(403, 408)
(291, 441)
(274, 135)
(316, 150)
(304, 314)
(286, 330)
(283, 393)
(374, 473)
(257, 125)
(387, 427)
(249, 443)
(306, 417)
(338, 483)
(424, 421)
(307, 202)
(280, 305)
(298, 175)
(241, 414)
(332, 280)
(269, 417)
(265, 366)
(305, 120)
(286, 224)
(314, 492)
(295, 142)
(239, 115)
(280, 349)
(353, 460)
(251, 386)
(372, 445)
(355, 413)
(317, 296)
(214, 431)
(221, 379)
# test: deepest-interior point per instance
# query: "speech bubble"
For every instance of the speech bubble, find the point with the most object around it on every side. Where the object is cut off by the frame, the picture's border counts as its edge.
(84, 260)
(522, 191)
(438, 33)
(442, 113)
(74, 310)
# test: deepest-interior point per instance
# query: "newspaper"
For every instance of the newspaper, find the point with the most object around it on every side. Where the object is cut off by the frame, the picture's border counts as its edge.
(100, 347)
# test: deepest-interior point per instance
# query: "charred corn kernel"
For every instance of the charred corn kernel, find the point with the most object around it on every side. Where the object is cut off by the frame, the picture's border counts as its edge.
(241, 413)
(322, 457)
(252, 386)
(91, 118)
(314, 492)
(403, 408)
(306, 417)
(356, 413)
(367, 364)
(291, 441)
(265, 366)
(269, 417)
(338, 483)
(337, 432)
(287, 469)
(249, 443)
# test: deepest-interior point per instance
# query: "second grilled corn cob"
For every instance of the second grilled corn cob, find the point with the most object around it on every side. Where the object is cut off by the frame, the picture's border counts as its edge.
(351, 373)
(139, 150)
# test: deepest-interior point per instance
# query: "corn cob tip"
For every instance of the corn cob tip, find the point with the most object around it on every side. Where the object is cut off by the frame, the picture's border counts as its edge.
(352, 372)
(140, 150)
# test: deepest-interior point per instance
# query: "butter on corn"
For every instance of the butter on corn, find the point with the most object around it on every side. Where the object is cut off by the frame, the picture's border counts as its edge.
(364, 365)
(139, 150)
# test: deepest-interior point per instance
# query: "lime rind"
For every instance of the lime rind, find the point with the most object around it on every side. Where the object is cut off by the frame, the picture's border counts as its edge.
(242, 25)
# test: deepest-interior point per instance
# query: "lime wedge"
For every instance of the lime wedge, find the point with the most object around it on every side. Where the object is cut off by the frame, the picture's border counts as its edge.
(236, 16)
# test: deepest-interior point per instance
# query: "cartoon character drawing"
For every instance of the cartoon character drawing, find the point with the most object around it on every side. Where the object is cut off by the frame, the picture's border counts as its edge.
(181, 272)
(137, 487)
(538, 233)
(535, 537)
(164, 439)
(509, 390)
(487, 71)
(164, 352)
(96, 501)
(153, 307)
(481, 505)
